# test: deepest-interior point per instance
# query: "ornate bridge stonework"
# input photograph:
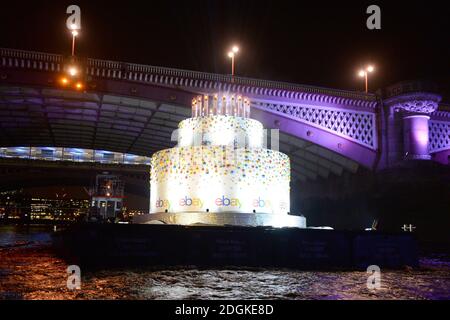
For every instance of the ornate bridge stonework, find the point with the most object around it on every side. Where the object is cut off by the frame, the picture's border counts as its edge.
(357, 126)
(324, 130)
(415, 128)
(439, 136)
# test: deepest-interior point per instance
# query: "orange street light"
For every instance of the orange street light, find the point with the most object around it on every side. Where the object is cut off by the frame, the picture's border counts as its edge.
(364, 73)
(232, 54)
(74, 32)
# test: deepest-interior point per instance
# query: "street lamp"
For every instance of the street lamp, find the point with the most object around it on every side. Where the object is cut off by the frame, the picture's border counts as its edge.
(364, 73)
(232, 54)
(73, 71)
(74, 32)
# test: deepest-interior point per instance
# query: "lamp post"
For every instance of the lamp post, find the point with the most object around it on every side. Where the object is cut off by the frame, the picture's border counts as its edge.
(364, 73)
(231, 54)
(74, 32)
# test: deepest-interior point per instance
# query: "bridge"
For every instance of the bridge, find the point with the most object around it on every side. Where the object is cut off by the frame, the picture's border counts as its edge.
(17, 173)
(132, 110)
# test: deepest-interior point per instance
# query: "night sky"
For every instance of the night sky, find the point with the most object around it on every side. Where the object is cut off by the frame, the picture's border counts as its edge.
(320, 43)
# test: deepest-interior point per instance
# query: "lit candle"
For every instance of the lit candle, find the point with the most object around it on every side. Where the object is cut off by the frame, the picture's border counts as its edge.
(194, 108)
(233, 105)
(215, 104)
(247, 108)
(200, 106)
(206, 104)
(224, 105)
(239, 107)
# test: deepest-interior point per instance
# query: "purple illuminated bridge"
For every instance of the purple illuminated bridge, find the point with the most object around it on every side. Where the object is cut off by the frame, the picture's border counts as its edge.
(132, 109)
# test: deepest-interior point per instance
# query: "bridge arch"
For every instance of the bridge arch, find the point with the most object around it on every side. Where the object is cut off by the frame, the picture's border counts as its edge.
(141, 124)
(132, 108)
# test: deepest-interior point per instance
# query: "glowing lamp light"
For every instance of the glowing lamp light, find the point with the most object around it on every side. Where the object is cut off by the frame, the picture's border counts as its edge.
(73, 71)
(231, 54)
(74, 30)
(64, 81)
(364, 73)
(79, 86)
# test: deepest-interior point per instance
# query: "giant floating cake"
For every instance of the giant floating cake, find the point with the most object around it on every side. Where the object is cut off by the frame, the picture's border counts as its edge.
(220, 172)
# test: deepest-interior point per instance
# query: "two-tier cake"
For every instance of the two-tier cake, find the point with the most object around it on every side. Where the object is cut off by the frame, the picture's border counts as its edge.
(220, 172)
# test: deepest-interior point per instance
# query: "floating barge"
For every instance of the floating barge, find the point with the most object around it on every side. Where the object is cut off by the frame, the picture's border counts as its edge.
(115, 245)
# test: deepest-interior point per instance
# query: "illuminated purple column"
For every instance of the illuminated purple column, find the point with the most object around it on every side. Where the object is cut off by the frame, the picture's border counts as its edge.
(416, 137)
(415, 109)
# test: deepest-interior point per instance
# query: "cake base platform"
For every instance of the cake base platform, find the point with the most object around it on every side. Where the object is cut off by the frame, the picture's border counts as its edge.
(224, 218)
(166, 246)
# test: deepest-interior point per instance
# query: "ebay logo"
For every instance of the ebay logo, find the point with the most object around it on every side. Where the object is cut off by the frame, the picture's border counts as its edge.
(227, 202)
(187, 202)
(260, 203)
(162, 203)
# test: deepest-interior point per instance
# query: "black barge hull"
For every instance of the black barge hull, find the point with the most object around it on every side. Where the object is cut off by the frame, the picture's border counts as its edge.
(106, 245)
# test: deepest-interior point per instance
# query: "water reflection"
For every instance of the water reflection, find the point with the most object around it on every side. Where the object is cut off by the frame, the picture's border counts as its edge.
(16, 235)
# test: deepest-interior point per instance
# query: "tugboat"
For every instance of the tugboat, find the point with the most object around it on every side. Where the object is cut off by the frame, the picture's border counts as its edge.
(107, 196)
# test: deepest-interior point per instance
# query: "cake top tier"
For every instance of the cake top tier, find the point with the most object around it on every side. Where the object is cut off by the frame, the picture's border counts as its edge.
(220, 104)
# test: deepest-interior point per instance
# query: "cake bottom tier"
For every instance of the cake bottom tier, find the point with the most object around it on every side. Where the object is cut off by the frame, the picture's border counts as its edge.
(215, 179)
(221, 219)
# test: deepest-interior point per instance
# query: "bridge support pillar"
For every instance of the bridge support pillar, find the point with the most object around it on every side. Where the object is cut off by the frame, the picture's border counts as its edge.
(413, 111)
(416, 137)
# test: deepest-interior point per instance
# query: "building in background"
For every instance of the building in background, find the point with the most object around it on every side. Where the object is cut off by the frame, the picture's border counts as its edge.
(18, 205)
(12, 205)
(58, 209)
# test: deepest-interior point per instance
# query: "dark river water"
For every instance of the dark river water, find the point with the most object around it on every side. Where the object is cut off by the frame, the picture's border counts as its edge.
(30, 270)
